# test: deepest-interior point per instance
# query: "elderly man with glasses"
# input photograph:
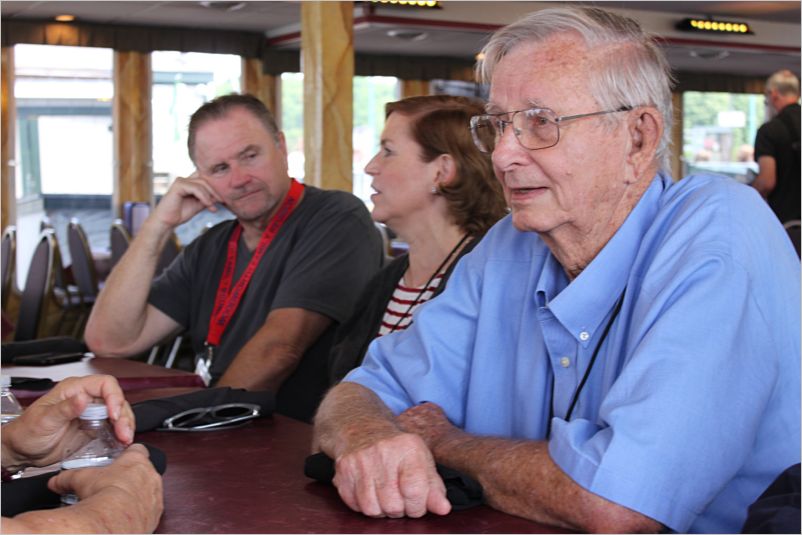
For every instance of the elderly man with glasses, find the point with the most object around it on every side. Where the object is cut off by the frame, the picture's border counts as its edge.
(622, 352)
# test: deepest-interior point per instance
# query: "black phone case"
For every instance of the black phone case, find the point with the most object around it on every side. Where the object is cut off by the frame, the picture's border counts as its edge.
(47, 359)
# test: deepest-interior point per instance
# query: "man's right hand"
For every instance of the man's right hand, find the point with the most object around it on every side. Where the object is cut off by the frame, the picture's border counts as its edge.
(394, 476)
(124, 497)
(185, 198)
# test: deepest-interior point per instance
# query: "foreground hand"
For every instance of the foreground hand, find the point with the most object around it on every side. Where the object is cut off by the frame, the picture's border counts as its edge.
(393, 477)
(126, 495)
(429, 422)
(48, 430)
(185, 198)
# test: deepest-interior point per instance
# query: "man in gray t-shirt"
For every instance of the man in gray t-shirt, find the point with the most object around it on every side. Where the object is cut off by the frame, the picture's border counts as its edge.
(305, 254)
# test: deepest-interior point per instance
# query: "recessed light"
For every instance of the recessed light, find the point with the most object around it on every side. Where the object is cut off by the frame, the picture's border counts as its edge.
(710, 55)
(224, 6)
(407, 35)
(65, 18)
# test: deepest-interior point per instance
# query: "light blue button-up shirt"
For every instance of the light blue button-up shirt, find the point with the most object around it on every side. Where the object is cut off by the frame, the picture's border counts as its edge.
(693, 405)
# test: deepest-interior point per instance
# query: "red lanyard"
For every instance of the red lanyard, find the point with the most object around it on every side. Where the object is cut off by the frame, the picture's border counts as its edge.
(227, 299)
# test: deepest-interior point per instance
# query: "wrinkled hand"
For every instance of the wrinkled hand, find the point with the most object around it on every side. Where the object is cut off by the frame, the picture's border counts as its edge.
(394, 477)
(185, 198)
(126, 494)
(48, 430)
(429, 422)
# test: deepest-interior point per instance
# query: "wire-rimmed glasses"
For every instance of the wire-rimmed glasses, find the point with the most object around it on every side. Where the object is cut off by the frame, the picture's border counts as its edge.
(219, 417)
(534, 128)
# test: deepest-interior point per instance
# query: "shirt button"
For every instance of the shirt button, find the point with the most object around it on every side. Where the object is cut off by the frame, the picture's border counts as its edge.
(565, 362)
(584, 336)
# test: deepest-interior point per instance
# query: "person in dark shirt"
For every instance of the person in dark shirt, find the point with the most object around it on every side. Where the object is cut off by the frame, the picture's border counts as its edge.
(777, 147)
(260, 296)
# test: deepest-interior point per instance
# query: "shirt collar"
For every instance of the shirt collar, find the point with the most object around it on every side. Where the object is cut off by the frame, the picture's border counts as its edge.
(582, 305)
(551, 281)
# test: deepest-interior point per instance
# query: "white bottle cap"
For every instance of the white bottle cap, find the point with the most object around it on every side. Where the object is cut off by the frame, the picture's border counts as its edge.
(5, 381)
(95, 411)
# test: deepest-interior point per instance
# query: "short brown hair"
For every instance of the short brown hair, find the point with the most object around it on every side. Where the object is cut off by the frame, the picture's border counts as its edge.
(221, 106)
(440, 124)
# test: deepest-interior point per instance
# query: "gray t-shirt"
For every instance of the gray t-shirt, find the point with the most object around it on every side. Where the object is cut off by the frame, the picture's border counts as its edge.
(320, 260)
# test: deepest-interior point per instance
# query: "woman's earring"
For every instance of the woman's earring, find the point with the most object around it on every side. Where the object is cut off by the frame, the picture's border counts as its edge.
(435, 191)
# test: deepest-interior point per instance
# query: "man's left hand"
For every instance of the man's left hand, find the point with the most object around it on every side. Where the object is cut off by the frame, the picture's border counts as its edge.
(48, 430)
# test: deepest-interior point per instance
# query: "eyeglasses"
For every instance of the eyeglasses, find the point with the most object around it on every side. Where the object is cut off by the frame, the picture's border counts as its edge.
(534, 128)
(215, 418)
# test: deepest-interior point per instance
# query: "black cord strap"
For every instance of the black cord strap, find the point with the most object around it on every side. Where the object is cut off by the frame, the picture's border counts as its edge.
(437, 271)
(588, 369)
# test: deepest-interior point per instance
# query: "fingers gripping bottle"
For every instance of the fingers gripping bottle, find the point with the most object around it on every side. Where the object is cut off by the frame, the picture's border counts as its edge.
(101, 449)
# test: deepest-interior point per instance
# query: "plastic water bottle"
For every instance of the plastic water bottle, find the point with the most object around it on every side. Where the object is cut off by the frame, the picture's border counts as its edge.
(10, 406)
(101, 449)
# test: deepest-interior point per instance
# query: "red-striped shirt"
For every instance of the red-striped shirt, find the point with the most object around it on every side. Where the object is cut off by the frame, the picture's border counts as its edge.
(404, 301)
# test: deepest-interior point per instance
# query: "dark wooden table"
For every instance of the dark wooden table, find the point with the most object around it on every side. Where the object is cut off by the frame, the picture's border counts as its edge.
(131, 374)
(250, 480)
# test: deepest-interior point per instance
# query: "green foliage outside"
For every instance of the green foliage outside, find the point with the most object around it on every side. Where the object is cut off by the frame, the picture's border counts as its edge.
(370, 95)
(292, 108)
(700, 113)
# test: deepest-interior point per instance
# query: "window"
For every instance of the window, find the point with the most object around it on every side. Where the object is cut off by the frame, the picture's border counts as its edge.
(292, 121)
(371, 93)
(182, 82)
(718, 133)
(64, 149)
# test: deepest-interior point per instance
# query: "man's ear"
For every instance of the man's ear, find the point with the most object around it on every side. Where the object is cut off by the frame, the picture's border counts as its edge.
(281, 142)
(446, 170)
(645, 132)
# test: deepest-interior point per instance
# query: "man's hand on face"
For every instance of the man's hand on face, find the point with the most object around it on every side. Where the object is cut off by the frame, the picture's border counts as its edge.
(185, 198)
(394, 476)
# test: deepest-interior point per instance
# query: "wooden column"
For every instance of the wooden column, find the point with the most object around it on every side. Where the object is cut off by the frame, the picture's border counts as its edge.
(676, 137)
(414, 88)
(8, 198)
(133, 152)
(327, 59)
(260, 85)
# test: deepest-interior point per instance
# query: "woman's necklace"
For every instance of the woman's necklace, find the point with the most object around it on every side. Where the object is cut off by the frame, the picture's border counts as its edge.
(437, 271)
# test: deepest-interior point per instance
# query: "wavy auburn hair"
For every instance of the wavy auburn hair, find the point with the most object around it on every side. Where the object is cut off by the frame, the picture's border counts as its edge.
(440, 124)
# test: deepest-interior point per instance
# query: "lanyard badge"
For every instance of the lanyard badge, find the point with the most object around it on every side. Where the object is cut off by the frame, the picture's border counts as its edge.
(203, 368)
(228, 297)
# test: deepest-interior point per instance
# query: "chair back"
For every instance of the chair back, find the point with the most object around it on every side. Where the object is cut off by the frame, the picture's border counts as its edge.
(83, 265)
(38, 285)
(793, 229)
(134, 214)
(9, 260)
(120, 238)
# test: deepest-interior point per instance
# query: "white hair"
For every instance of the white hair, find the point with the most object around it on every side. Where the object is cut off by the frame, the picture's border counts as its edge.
(636, 73)
(785, 82)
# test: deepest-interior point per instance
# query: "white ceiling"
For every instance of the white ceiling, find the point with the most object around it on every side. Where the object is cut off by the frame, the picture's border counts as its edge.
(460, 28)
